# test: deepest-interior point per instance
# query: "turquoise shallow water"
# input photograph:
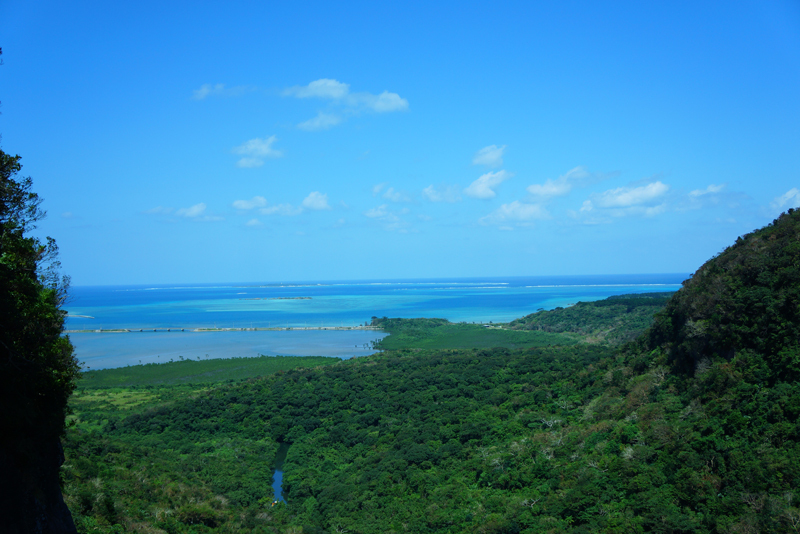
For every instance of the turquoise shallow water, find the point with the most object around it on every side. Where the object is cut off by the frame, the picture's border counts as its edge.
(310, 304)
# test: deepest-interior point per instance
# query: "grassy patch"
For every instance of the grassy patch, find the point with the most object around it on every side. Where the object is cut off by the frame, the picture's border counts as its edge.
(93, 408)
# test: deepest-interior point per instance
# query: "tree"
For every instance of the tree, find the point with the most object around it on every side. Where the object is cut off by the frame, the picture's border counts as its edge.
(38, 370)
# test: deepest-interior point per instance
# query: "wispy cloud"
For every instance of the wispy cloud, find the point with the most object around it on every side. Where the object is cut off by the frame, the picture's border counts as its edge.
(396, 196)
(646, 200)
(316, 201)
(193, 211)
(323, 88)
(159, 210)
(790, 199)
(219, 89)
(339, 94)
(390, 193)
(625, 197)
(448, 193)
(208, 89)
(560, 186)
(254, 222)
(260, 203)
(379, 211)
(713, 195)
(255, 202)
(521, 213)
(391, 221)
(322, 121)
(483, 187)
(197, 213)
(281, 209)
(710, 190)
(255, 151)
(385, 102)
(490, 156)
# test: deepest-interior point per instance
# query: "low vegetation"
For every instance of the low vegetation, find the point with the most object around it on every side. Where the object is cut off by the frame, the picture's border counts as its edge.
(442, 334)
(197, 371)
(615, 320)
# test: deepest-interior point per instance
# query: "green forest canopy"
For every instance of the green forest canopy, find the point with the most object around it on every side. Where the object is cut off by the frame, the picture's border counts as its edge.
(690, 428)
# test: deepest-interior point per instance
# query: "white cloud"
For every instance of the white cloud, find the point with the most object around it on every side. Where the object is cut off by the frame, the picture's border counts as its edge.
(323, 88)
(322, 121)
(561, 185)
(483, 187)
(517, 212)
(193, 211)
(491, 156)
(789, 199)
(643, 200)
(385, 102)
(391, 221)
(254, 222)
(256, 151)
(197, 213)
(448, 193)
(219, 89)
(625, 197)
(396, 196)
(281, 209)
(208, 89)
(255, 202)
(338, 92)
(67, 215)
(377, 188)
(711, 189)
(374, 213)
(316, 201)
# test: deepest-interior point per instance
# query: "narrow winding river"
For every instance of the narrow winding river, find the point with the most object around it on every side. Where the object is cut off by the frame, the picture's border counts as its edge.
(277, 476)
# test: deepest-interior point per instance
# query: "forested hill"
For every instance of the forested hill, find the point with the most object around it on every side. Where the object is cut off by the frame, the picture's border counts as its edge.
(615, 320)
(745, 302)
(692, 428)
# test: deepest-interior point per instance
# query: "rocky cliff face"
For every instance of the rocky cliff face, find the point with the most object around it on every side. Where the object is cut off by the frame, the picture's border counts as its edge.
(30, 494)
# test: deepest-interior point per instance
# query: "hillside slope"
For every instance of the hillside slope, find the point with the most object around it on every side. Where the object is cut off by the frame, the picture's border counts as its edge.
(745, 300)
(615, 320)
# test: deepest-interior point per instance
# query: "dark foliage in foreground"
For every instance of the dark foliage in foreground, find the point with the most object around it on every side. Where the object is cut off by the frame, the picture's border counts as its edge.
(38, 371)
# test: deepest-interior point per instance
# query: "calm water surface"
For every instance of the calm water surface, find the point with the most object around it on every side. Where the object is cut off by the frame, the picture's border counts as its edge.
(308, 304)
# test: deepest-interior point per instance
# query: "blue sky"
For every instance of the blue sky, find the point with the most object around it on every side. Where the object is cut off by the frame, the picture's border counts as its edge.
(266, 141)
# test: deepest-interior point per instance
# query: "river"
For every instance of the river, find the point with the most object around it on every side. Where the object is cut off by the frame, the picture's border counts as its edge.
(277, 477)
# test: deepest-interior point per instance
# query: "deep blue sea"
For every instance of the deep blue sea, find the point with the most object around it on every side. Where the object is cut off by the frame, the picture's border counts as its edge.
(308, 304)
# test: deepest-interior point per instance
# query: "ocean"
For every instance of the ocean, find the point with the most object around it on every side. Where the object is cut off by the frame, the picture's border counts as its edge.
(305, 305)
